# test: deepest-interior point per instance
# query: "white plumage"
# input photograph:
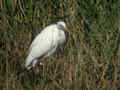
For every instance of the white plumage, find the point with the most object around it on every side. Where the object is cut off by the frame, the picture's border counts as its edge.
(46, 43)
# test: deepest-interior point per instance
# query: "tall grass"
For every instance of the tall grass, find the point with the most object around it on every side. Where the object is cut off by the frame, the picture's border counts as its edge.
(90, 59)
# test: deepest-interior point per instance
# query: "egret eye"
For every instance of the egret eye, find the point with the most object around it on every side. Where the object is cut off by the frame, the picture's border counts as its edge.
(62, 25)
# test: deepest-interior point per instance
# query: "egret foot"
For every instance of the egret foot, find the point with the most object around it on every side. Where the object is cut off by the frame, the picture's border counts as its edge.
(40, 65)
(39, 68)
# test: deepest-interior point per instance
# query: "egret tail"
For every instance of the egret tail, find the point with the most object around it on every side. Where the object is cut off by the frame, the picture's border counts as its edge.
(30, 62)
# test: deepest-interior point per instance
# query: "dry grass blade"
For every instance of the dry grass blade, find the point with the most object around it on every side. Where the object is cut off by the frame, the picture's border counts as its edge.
(89, 60)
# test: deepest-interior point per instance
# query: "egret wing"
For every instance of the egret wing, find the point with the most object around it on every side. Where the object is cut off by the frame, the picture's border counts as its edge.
(41, 44)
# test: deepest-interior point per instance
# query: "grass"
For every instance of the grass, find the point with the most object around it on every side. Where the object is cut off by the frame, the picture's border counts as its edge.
(89, 61)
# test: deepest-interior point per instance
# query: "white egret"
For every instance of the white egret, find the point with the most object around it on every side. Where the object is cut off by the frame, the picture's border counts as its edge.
(46, 43)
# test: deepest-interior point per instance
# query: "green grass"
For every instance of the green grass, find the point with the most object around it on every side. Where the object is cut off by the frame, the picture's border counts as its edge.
(89, 61)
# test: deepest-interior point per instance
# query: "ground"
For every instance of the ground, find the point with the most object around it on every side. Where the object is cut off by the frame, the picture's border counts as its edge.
(90, 60)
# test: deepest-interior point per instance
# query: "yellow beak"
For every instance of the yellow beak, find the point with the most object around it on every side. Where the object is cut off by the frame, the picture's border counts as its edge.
(68, 30)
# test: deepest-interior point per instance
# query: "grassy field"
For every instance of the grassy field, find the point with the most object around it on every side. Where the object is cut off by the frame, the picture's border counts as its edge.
(89, 61)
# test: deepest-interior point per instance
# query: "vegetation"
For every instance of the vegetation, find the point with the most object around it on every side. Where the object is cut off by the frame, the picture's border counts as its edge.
(89, 61)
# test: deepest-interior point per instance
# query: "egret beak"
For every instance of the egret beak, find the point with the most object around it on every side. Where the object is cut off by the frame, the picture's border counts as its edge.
(68, 30)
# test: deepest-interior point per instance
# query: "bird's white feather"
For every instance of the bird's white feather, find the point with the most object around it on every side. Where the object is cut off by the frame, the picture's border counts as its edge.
(44, 44)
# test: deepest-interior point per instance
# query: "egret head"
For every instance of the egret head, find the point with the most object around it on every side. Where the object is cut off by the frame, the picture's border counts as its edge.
(62, 25)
